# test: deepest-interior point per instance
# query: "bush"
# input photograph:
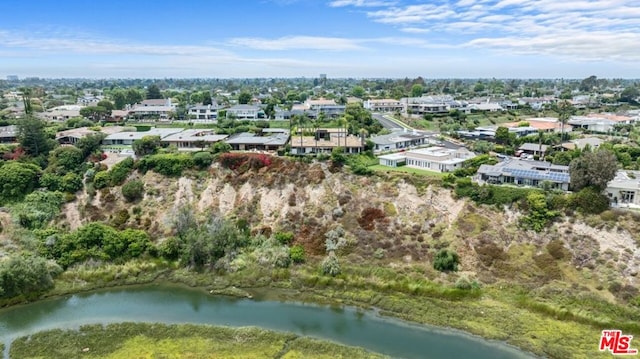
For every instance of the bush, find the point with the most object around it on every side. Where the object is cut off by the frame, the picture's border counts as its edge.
(330, 265)
(297, 254)
(23, 275)
(38, 208)
(244, 161)
(120, 171)
(284, 238)
(446, 261)
(168, 164)
(202, 159)
(589, 201)
(133, 190)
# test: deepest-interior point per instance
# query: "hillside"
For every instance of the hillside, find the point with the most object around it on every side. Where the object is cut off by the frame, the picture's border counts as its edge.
(531, 289)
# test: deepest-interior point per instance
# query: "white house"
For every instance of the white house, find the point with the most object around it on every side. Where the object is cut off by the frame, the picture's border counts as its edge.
(519, 172)
(623, 190)
(203, 113)
(245, 112)
(400, 140)
(384, 105)
(127, 138)
(193, 139)
(434, 158)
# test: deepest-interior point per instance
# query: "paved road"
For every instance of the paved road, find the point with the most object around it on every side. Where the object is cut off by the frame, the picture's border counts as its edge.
(386, 123)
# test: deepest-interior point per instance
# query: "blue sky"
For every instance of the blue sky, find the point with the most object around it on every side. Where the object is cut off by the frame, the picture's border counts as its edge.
(341, 38)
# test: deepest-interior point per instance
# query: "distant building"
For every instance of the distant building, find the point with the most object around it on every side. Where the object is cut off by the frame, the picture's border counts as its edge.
(438, 159)
(127, 138)
(245, 112)
(384, 105)
(519, 172)
(12, 78)
(203, 113)
(270, 139)
(400, 140)
(193, 139)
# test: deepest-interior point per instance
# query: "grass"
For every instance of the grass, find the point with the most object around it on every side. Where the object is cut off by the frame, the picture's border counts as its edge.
(406, 169)
(144, 340)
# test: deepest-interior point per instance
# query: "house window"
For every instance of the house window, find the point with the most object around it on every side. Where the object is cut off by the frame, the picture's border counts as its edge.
(627, 196)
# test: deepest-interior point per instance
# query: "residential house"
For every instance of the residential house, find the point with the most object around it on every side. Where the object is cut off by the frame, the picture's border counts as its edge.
(126, 138)
(581, 143)
(245, 112)
(400, 140)
(544, 124)
(270, 139)
(89, 100)
(72, 136)
(193, 139)
(534, 149)
(537, 103)
(384, 105)
(9, 134)
(624, 189)
(426, 104)
(520, 172)
(434, 158)
(485, 107)
(154, 109)
(203, 113)
(62, 113)
(324, 141)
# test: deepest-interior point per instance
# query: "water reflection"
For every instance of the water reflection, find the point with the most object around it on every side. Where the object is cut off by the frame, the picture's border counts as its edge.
(179, 305)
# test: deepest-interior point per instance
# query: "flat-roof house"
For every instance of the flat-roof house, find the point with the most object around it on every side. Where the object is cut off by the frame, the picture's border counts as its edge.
(245, 112)
(624, 189)
(534, 149)
(8, 134)
(264, 141)
(62, 113)
(72, 136)
(203, 113)
(317, 144)
(152, 109)
(126, 138)
(192, 139)
(434, 158)
(400, 140)
(581, 143)
(519, 172)
(384, 105)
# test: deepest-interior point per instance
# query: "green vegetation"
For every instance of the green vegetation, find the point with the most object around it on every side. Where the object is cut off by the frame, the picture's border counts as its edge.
(133, 190)
(26, 275)
(141, 340)
(446, 261)
(381, 168)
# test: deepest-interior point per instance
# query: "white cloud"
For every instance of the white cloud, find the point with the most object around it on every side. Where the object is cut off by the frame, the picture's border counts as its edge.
(361, 3)
(297, 42)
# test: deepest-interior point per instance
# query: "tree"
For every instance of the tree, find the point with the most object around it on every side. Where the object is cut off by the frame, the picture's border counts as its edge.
(416, 90)
(90, 144)
(565, 109)
(134, 96)
(133, 190)
(588, 84)
(446, 261)
(502, 135)
(17, 179)
(593, 169)
(630, 94)
(358, 91)
(153, 92)
(119, 98)
(26, 100)
(244, 98)
(32, 136)
(108, 105)
(23, 275)
(95, 113)
(65, 159)
(147, 145)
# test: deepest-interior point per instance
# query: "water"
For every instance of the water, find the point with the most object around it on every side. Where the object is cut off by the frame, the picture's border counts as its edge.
(170, 304)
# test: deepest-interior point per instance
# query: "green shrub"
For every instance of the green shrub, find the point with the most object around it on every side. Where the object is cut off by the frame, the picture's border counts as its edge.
(202, 159)
(168, 164)
(23, 275)
(330, 265)
(589, 201)
(297, 254)
(120, 171)
(446, 261)
(38, 208)
(101, 180)
(284, 238)
(133, 190)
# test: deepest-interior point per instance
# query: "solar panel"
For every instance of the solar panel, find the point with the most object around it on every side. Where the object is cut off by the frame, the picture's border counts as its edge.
(538, 175)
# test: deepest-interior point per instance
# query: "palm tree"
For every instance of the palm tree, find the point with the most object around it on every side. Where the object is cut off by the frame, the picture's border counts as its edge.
(565, 109)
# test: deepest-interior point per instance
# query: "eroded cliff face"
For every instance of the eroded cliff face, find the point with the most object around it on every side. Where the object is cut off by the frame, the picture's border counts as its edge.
(401, 218)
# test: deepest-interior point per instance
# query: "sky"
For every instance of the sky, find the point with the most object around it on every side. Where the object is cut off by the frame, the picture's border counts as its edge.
(305, 38)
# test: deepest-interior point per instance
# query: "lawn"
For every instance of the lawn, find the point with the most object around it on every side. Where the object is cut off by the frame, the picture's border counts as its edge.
(406, 169)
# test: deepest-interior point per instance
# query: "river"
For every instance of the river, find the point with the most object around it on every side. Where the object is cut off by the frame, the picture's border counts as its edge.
(172, 304)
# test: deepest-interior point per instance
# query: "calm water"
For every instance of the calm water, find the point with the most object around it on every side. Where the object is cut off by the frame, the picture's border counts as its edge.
(168, 304)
